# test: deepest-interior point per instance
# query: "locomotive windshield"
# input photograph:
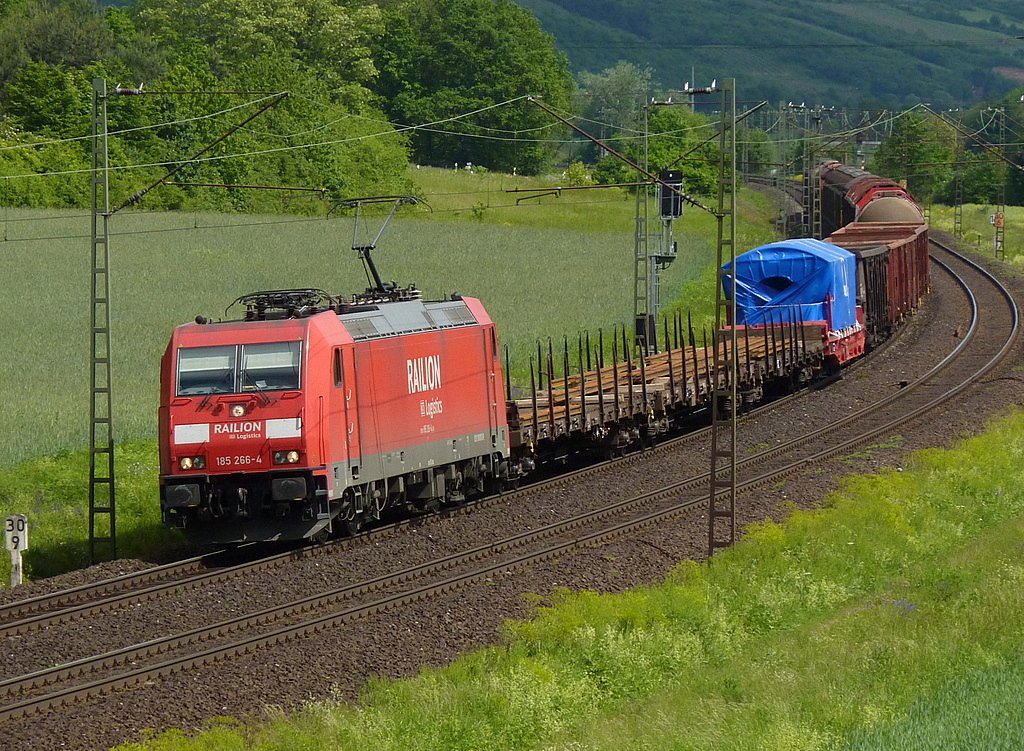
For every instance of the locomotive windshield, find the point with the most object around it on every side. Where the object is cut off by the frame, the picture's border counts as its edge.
(238, 368)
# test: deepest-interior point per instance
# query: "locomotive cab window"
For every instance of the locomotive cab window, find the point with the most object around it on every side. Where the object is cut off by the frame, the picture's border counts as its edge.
(238, 368)
(206, 370)
(270, 367)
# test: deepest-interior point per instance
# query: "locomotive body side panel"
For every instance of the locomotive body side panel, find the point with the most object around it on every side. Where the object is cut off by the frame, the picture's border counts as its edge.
(425, 400)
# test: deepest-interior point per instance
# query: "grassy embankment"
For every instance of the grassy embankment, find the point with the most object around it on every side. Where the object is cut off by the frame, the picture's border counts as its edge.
(889, 620)
(978, 232)
(547, 268)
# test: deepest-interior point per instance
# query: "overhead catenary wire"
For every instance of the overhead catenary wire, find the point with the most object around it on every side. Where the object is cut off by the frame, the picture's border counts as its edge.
(122, 131)
(263, 152)
(138, 195)
(266, 223)
(884, 117)
(395, 128)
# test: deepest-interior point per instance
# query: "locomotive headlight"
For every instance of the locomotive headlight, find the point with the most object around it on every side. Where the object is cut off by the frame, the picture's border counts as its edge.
(292, 457)
(199, 462)
(185, 462)
(192, 462)
(237, 410)
(286, 457)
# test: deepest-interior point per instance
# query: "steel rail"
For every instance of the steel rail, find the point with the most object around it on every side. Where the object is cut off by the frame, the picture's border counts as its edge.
(87, 600)
(287, 633)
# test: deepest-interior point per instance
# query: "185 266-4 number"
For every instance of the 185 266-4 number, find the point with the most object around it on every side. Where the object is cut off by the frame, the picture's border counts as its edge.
(242, 460)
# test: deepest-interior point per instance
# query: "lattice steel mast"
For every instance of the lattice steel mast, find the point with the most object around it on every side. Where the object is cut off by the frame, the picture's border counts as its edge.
(102, 496)
(724, 406)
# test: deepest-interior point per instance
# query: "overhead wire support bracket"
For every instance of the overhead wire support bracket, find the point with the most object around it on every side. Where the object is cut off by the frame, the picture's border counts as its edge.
(623, 158)
(322, 191)
(139, 195)
(557, 192)
(714, 136)
(997, 152)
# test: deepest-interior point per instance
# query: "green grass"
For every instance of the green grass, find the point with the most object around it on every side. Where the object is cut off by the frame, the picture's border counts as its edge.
(978, 710)
(550, 268)
(841, 628)
(518, 201)
(53, 492)
(978, 232)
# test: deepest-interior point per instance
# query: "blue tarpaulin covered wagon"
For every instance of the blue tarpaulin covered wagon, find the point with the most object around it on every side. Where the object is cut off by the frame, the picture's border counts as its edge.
(795, 281)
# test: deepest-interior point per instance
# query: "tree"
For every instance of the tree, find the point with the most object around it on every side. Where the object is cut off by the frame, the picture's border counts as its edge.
(69, 33)
(674, 133)
(443, 59)
(920, 150)
(331, 37)
(613, 101)
(49, 99)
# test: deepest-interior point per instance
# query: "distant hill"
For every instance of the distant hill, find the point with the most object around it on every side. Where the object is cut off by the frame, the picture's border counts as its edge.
(861, 53)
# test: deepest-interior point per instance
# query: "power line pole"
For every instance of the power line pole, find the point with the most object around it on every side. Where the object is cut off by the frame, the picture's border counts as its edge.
(724, 377)
(999, 219)
(102, 497)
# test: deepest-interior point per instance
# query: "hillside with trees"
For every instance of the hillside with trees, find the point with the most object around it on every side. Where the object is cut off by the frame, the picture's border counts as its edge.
(374, 86)
(837, 52)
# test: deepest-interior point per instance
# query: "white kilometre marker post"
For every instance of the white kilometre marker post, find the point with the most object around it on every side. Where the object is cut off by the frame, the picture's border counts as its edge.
(16, 540)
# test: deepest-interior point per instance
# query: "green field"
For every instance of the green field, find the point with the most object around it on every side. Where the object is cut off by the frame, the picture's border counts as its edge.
(979, 233)
(545, 268)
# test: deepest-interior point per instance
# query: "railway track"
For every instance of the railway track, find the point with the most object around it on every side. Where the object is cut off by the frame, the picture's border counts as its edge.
(976, 354)
(77, 603)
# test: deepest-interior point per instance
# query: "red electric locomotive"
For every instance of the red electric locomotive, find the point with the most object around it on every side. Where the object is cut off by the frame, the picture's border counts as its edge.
(314, 412)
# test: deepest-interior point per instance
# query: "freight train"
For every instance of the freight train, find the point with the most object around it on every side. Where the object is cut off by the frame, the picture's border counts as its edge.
(309, 415)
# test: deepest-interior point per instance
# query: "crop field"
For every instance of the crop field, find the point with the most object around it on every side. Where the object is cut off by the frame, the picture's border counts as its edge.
(911, 22)
(166, 268)
(552, 267)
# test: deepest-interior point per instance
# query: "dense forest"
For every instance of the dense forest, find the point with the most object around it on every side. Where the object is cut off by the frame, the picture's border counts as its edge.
(357, 75)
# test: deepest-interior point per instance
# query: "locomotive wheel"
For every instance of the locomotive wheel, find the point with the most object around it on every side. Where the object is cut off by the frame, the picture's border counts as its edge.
(354, 525)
